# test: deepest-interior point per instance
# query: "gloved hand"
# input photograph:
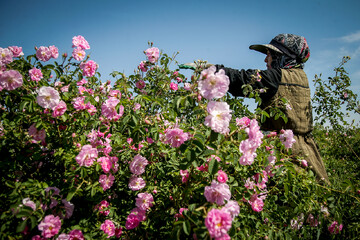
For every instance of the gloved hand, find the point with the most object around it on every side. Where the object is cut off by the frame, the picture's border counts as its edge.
(196, 64)
(191, 66)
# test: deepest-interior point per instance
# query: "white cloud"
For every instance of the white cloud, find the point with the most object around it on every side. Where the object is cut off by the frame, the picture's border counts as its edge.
(353, 37)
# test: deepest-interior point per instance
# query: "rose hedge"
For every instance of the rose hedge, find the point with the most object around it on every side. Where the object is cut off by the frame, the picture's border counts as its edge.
(155, 156)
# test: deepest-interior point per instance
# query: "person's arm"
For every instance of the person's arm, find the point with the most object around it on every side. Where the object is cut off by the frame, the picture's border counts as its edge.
(270, 79)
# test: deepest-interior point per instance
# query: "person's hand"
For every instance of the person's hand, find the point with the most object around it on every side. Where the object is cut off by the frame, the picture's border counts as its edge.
(191, 66)
(195, 65)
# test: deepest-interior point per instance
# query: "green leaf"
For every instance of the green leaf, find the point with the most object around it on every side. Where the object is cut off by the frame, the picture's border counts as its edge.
(70, 195)
(187, 227)
(21, 226)
(213, 166)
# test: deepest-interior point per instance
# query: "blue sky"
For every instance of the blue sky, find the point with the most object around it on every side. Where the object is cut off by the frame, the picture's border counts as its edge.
(217, 31)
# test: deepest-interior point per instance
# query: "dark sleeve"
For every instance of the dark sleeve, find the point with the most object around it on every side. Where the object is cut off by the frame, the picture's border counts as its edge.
(270, 80)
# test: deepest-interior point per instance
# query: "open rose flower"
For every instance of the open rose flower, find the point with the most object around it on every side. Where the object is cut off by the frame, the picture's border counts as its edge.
(10, 80)
(48, 97)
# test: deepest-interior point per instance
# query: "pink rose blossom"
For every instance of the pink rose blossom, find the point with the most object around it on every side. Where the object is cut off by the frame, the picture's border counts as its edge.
(219, 117)
(35, 74)
(287, 138)
(65, 88)
(48, 97)
(54, 51)
(108, 227)
(10, 80)
(257, 205)
(218, 223)
(136, 107)
(187, 86)
(304, 163)
(115, 93)
(79, 103)
(173, 86)
(16, 51)
(132, 221)
(63, 236)
(37, 237)
(76, 234)
(184, 175)
(242, 122)
(142, 66)
(60, 109)
(88, 68)
(78, 54)
(152, 54)
(43, 54)
(103, 207)
(82, 82)
(27, 202)
(69, 208)
(175, 137)
(232, 207)
(6, 56)
(37, 135)
(87, 156)
(137, 166)
(79, 41)
(105, 163)
(144, 201)
(108, 109)
(140, 84)
(213, 85)
(106, 181)
(217, 193)
(50, 226)
(136, 183)
(335, 228)
(222, 176)
(90, 108)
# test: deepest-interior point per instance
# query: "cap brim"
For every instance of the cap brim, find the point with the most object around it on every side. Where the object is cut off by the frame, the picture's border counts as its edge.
(263, 48)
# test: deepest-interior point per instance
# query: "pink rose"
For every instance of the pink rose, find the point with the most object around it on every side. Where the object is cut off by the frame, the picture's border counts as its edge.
(184, 175)
(79, 41)
(87, 156)
(16, 51)
(137, 166)
(43, 54)
(88, 68)
(6, 56)
(219, 117)
(54, 51)
(142, 66)
(173, 86)
(78, 54)
(10, 80)
(140, 84)
(218, 223)
(136, 183)
(108, 227)
(152, 54)
(106, 181)
(213, 84)
(50, 226)
(217, 193)
(144, 201)
(48, 97)
(222, 176)
(35, 74)
(59, 109)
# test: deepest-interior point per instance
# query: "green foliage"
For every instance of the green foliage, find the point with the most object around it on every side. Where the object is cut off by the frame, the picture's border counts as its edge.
(32, 169)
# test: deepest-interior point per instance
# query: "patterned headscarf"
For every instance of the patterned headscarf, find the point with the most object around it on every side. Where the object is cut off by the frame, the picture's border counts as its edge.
(295, 48)
(287, 50)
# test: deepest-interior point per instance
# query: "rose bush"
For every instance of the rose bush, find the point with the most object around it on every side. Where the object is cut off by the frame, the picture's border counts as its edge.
(153, 156)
